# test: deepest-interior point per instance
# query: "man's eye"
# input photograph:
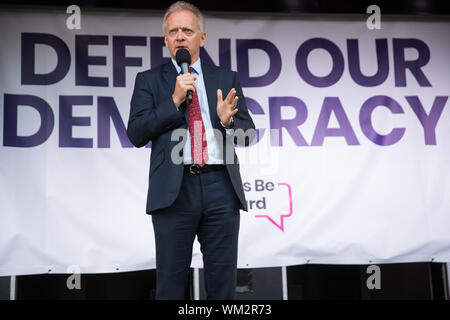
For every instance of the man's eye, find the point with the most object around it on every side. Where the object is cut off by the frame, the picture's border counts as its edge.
(188, 31)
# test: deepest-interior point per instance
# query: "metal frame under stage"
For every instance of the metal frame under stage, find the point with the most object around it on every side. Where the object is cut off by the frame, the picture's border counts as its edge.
(424, 281)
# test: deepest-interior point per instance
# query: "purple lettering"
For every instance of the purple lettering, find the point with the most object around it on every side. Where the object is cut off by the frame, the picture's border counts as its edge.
(242, 49)
(415, 66)
(156, 51)
(366, 123)
(83, 60)
(332, 104)
(106, 111)
(67, 121)
(301, 59)
(11, 105)
(354, 63)
(28, 58)
(291, 125)
(120, 61)
(255, 108)
(429, 121)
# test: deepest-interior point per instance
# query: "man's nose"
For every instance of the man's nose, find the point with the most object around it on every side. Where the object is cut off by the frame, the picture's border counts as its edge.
(180, 35)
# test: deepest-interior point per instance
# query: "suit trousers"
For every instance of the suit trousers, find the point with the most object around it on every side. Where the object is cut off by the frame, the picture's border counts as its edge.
(206, 207)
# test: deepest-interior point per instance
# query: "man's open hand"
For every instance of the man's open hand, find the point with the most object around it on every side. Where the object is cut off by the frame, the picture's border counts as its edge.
(226, 108)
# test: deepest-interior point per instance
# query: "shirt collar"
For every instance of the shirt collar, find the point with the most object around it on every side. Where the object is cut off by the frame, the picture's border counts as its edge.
(197, 65)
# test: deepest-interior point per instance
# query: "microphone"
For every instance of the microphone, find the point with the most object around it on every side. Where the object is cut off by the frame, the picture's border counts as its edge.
(183, 58)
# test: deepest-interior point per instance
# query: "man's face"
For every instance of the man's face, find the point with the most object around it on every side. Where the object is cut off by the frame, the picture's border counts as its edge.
(182, 31)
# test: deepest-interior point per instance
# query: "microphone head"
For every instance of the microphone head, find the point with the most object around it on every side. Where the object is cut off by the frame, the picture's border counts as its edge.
(183, 56)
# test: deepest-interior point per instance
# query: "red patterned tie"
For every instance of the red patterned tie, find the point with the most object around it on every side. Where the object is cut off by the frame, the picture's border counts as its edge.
(199, 149)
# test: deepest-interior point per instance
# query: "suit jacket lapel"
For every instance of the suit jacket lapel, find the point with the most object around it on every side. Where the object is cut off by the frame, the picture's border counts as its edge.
(211, 84)
(170, 74)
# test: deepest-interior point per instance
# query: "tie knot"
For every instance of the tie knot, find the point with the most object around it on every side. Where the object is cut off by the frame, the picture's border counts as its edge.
(191, 69)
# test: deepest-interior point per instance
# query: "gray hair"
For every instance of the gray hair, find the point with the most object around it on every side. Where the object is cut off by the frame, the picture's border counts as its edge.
(181, 6)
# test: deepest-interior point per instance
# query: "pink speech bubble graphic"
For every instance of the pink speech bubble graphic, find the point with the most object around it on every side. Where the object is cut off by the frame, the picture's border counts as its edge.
(281, 225)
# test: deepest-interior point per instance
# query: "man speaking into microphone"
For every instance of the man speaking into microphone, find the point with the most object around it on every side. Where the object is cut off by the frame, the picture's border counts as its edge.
(201, 196)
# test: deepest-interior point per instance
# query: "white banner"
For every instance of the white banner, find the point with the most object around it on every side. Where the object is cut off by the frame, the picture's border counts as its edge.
(351, 166)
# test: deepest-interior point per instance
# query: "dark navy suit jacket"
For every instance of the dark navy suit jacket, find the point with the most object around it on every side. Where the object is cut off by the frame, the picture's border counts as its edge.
(154, 117)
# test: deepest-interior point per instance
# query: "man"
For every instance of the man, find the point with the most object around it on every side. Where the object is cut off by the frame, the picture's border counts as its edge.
(202, 195)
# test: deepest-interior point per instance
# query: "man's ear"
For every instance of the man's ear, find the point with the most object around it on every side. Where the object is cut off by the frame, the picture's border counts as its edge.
(202, 39)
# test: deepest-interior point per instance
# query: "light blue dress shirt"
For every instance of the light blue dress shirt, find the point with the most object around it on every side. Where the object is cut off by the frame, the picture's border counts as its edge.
(215, 153)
